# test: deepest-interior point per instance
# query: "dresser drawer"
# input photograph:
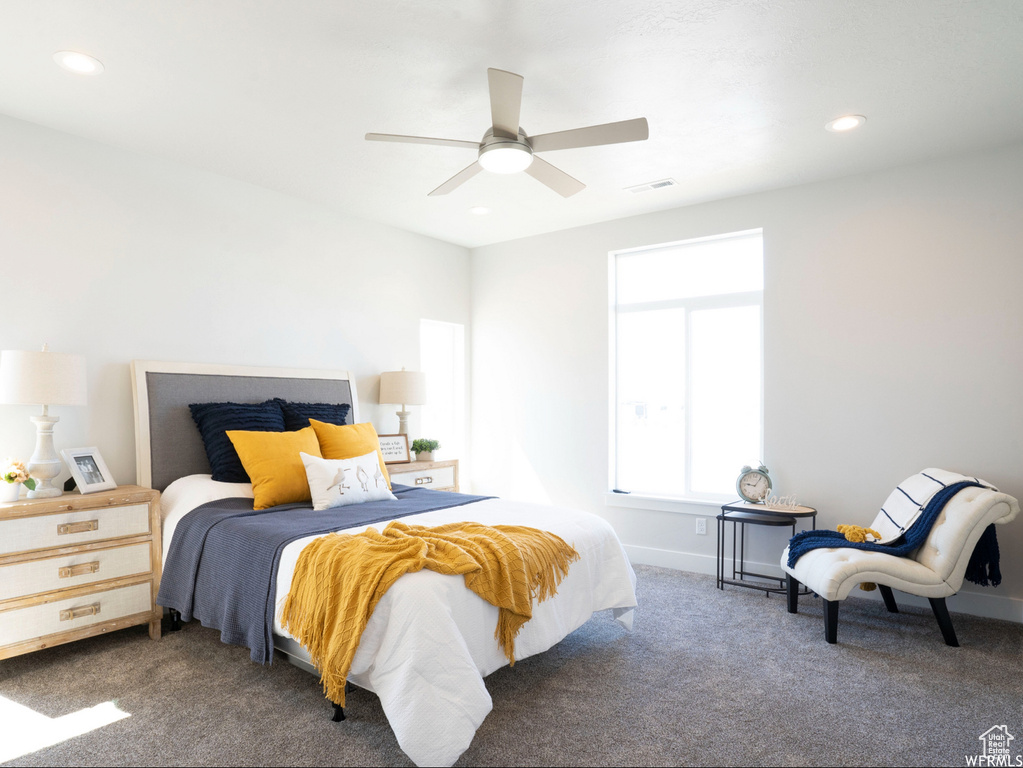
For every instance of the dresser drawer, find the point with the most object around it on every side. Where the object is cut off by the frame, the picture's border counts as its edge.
(53, 573)
(98, 607)
(66, 529)
(438, 477)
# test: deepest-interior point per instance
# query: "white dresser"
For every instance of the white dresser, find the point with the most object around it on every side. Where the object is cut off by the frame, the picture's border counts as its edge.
(439, 475)
(76, 566)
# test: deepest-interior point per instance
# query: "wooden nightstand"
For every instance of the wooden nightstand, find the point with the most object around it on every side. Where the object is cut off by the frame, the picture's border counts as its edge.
(74, 566)
(439, 475)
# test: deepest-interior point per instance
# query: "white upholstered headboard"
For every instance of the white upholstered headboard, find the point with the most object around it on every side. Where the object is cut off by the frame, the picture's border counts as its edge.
(167, 442)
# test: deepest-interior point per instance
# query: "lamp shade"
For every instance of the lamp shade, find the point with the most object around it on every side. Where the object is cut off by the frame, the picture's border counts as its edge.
(42, 378)
(403, 387)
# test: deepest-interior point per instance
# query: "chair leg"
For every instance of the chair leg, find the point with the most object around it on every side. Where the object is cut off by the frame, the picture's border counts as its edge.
(831, 621)
(792, 592)
(944, 621)
(889, 598)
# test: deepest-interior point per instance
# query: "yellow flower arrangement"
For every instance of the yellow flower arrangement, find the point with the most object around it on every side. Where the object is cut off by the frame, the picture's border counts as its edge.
(16, 472)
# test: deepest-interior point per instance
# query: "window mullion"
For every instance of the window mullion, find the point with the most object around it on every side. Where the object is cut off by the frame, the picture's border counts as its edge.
(745, 298)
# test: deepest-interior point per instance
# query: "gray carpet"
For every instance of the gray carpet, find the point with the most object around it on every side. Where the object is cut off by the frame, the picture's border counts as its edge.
(707, 678)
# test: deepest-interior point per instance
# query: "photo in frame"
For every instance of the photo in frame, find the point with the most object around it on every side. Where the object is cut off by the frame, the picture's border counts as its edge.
(88, 469)
(394, 449)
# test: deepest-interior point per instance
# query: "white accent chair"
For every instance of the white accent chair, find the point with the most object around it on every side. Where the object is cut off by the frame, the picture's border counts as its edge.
(935, 570)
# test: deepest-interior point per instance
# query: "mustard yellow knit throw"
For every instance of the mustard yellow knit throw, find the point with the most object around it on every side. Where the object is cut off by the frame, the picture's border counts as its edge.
(340, 578)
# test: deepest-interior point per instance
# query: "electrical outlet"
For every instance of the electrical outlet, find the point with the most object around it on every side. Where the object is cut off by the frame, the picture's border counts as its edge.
(701, 526)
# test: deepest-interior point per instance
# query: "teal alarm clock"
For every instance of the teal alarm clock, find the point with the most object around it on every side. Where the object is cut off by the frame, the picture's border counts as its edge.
(754, 485)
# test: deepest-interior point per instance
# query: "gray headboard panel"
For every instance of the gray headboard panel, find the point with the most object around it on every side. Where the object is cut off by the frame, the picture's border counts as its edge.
(168, 445)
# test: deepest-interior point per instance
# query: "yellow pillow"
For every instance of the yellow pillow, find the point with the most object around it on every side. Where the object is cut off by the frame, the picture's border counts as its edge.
(346, 441)
(274, 465)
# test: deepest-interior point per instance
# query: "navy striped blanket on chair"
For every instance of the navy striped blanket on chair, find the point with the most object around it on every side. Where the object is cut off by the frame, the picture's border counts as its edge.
(905, 522)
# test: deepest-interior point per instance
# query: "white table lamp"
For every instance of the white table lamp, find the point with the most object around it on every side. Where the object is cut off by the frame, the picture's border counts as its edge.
(42, 378)
(405, 388)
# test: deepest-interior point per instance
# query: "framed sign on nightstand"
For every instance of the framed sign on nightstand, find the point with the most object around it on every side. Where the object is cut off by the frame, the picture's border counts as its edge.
(394, 449)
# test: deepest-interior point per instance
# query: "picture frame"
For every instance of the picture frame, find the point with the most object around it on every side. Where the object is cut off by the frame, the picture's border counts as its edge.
(88, 469)
(394, 449)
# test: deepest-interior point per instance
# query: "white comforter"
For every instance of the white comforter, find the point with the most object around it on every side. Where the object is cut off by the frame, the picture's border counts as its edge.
(430, 641)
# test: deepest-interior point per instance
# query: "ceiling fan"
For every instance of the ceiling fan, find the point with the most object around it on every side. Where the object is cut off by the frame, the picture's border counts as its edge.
(506, 148)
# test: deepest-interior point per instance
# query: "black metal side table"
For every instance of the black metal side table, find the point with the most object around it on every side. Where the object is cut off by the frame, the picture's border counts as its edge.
(740, 514)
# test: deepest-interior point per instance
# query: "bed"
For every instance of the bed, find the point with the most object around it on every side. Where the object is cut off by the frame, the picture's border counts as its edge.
(430, 641)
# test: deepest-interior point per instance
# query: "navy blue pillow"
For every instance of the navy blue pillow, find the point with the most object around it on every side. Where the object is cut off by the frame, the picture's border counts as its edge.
(297, 415)
(214, 419)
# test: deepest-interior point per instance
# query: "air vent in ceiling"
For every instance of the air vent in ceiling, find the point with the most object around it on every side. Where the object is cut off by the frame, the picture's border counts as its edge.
(662, 184)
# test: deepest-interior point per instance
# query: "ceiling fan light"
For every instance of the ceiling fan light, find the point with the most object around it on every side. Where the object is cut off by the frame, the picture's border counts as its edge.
(505, 158)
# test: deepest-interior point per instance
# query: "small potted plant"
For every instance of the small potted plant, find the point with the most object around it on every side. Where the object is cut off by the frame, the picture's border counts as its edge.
(423, 449)
(15, 475)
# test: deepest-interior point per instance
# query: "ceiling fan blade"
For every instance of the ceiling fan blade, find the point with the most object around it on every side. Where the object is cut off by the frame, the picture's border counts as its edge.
(556, 179)
(505, 101)
(593, 136)
(422, 140)
(457, 180)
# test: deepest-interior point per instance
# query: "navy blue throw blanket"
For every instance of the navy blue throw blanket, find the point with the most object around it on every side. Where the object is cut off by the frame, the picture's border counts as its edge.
(222, 563)
(983, 566)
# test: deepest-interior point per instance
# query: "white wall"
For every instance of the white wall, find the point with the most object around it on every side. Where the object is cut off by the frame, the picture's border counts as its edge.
(892, 321)
(120, 256)
(893, 341)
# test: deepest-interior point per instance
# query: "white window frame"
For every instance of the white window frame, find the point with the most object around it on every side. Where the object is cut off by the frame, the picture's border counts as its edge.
(673, 503)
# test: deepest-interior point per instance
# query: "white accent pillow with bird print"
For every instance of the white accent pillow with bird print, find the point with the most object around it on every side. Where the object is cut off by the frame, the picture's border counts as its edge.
(340, 482)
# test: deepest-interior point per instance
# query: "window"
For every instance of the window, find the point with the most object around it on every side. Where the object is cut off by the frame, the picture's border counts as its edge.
(442, 359)
(686, 365)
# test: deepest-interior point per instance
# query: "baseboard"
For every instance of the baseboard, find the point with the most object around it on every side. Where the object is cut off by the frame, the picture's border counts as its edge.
(668, 558)
(988, 606)
(973, 603)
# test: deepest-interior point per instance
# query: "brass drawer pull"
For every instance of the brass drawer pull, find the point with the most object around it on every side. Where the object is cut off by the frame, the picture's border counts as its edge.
(77, 613)
(77, 570)
(424, 480)
(83, 527)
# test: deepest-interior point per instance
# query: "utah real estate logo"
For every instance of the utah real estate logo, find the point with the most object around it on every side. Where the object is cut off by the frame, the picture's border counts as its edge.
(996, 750)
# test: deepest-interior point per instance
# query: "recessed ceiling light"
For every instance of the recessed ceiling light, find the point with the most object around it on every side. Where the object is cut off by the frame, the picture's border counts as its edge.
(846, 123)
(79, 63)
(479, 210)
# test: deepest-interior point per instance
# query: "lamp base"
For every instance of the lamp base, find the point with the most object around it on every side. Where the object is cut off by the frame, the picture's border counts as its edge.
(402, 421)
(44, 465)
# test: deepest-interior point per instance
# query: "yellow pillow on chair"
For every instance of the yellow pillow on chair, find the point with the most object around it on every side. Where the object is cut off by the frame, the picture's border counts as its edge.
(274, 464)
(346, 441)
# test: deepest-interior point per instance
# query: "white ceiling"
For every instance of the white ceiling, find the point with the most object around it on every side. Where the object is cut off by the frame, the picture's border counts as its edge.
(737, 92)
